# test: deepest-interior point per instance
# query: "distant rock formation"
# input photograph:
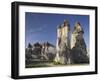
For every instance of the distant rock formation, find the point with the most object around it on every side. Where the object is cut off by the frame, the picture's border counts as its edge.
(40, 52)
(78, 46)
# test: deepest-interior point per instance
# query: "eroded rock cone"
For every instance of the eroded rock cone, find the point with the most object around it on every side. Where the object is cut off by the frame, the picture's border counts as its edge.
(79, 50)
(63, 43)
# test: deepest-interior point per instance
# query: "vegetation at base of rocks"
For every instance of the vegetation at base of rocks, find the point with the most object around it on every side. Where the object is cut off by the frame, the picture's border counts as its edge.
(36, 65)
(57, 63)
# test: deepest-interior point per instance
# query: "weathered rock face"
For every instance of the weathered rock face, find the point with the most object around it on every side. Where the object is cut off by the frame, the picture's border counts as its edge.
(64, 53)
(40, 52)
(79, 50)
(63, 43)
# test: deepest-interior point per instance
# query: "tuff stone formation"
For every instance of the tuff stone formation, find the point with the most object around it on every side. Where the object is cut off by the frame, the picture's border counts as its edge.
(39, 52)
(74, 51)
(63, 43)
(78, 46)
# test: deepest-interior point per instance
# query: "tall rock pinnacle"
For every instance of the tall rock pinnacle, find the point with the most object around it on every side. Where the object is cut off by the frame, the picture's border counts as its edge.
(78, 45)
(63, 43)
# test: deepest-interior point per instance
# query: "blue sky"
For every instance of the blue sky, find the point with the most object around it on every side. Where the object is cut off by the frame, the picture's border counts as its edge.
(41, 27)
